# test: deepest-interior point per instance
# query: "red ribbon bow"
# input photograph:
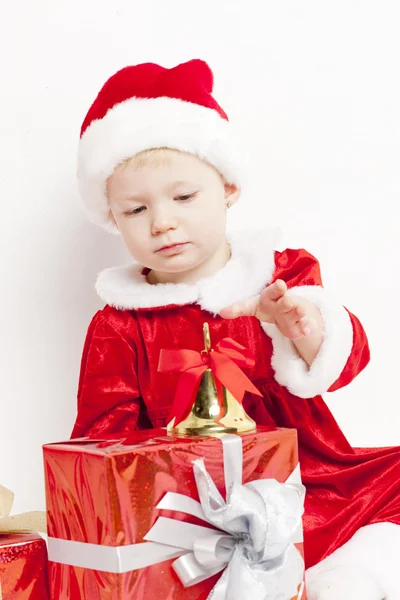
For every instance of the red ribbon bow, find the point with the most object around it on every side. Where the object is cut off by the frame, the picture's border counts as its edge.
(224, 363)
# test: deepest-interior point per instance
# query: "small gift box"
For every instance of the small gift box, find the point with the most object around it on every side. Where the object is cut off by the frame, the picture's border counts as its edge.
(158, 516)
(23, 554)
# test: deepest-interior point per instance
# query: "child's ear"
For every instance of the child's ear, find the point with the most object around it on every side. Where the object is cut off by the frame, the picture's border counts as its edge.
(232, 193)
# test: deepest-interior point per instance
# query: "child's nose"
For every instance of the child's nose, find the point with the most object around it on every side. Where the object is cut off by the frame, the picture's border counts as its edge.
(163, 220)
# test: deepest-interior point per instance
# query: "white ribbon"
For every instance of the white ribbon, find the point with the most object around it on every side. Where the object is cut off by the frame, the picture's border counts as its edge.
(250, 536)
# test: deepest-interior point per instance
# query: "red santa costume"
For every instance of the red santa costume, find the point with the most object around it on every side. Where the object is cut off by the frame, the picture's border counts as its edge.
(120, 389)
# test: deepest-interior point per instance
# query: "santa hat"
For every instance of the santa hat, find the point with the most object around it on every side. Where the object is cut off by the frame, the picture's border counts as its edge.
(148, 106)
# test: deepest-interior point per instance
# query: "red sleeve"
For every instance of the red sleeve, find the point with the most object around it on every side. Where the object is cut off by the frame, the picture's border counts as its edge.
(301, 272)
(108, 392)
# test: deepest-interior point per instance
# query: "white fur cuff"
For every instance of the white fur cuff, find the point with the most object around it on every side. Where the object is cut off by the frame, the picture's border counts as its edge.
(364, 568)
(291, 370)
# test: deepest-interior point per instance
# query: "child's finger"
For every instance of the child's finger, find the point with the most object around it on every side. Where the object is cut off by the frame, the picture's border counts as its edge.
(299, 311)
(285, 304)
(294, 328)
(307, 325)
(275, 290)
(304, 326)
(246, 308)
(269, 298)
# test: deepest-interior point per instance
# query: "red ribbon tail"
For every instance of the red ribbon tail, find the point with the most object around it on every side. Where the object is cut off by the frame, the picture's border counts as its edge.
(232, 377)
(241, 355)
(188, 385)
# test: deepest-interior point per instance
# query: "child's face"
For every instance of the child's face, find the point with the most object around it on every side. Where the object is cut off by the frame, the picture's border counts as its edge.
(172, 215)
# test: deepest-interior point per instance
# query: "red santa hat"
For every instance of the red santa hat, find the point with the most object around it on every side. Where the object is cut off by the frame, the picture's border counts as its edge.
(148, 106)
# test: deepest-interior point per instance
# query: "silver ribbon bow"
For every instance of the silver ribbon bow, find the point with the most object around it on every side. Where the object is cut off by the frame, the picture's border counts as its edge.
(253, 544)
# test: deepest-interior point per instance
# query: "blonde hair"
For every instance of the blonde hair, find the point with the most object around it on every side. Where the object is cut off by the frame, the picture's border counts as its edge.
(156, 156)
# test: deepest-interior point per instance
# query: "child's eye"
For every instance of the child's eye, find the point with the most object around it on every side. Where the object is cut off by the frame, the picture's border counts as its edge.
(135, 211)
(185, 197)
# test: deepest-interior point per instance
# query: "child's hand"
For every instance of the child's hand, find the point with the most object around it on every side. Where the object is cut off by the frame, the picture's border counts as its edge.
(295, 317)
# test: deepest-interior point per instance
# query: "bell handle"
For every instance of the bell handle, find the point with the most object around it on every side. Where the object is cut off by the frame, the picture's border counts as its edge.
(207, 338)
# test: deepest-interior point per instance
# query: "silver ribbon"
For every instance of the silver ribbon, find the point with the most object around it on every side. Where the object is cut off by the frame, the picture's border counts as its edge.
(257, 527)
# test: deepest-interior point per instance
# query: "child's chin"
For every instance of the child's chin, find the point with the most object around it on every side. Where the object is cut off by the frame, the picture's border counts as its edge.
(179, 263)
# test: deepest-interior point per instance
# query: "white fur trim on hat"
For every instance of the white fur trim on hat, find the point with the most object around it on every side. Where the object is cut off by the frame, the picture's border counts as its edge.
(291, 370)
(141, 124)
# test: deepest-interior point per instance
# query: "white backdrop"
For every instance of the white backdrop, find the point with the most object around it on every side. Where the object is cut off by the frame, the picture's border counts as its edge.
(314, 89)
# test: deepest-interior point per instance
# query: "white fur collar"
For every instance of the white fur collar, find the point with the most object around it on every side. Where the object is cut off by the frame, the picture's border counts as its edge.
(251, 266)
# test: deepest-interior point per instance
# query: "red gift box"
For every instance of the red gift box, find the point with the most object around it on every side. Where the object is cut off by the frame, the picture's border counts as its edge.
(23, 567)
(103, 499)
(23, 553)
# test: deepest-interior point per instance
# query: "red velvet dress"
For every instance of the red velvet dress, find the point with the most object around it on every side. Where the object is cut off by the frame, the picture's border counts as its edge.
(120, 388)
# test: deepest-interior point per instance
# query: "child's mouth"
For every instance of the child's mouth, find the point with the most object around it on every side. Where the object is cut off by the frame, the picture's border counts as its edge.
(170, 250)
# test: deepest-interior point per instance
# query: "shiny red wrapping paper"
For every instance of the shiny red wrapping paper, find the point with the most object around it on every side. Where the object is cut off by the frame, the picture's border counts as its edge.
(105, 492)
(23, 567)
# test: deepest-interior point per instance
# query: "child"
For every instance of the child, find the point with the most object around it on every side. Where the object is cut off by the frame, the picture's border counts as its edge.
(158, 165)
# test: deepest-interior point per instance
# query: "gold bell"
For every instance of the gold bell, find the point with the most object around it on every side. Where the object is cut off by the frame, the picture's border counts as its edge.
(215, 409)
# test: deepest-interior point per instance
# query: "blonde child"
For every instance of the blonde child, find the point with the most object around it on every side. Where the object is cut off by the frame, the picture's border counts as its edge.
(158, 164)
